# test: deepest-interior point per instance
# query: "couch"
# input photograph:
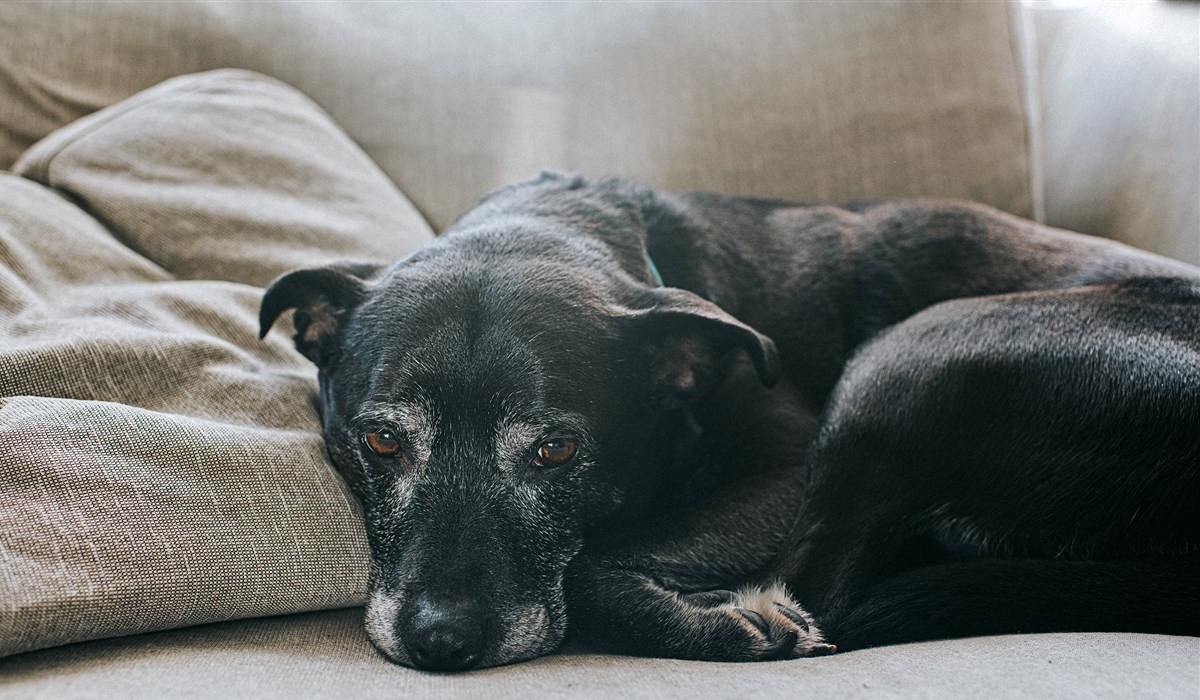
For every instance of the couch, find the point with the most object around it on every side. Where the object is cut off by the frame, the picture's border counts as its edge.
(169, 523)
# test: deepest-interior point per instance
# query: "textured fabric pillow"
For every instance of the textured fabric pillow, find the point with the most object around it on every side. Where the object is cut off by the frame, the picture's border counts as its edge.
(159, 465)
(808, 101)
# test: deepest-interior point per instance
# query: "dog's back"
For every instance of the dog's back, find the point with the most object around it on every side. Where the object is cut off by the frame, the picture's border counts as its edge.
(618, 396)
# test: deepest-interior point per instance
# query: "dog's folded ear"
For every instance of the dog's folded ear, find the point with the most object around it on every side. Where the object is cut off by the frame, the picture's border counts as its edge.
(689, 339)
(321, 297)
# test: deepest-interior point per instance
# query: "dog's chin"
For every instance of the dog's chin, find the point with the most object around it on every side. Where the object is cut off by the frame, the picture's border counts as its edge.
(527, 632)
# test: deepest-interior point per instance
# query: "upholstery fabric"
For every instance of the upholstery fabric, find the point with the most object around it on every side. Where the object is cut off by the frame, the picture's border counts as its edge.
(227, 172)
(807, 101)
(159, 465)
(327, 655)
(1119, 87)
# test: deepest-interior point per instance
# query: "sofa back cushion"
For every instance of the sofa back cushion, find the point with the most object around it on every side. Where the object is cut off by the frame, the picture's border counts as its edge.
(807, 101)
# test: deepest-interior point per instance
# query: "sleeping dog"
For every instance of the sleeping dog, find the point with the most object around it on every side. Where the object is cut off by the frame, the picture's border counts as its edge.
(709, 427)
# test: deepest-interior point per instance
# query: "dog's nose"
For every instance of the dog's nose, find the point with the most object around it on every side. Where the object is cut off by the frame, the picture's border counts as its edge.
(445, 633)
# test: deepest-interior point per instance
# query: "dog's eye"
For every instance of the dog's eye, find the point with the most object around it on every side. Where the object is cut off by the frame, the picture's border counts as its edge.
(554, 453)
(383, 443)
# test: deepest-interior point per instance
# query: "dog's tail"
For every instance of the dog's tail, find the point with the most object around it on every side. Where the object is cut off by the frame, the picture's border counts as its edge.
(999, 596)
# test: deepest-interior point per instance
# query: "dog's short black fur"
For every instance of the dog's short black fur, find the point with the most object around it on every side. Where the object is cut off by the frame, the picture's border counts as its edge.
(831, 426)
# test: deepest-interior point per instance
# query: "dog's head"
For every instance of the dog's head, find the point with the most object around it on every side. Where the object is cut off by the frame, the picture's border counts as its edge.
(494, 397)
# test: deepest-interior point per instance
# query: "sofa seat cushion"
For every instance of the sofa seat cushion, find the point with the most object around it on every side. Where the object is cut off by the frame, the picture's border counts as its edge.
(326, 654)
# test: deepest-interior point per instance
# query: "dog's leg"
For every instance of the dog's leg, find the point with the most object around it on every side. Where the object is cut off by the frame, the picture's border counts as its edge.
(666, 590)
(1019, 463)
(866, 585)
(998, 596)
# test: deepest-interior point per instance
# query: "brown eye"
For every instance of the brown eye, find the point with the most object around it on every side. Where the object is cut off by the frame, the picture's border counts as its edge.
(383, 443)
(554, 453)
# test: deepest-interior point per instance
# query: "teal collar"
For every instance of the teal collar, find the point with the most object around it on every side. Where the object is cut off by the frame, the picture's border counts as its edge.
(653, 269)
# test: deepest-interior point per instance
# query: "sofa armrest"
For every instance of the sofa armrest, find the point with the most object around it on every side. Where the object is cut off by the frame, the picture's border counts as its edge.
(1117, 86)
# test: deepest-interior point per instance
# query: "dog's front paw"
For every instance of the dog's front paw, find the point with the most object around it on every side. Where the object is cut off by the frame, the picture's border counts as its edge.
(751, 624)
(628, 611)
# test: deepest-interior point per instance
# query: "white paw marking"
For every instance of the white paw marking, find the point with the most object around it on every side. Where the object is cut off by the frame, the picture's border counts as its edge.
(771, 602)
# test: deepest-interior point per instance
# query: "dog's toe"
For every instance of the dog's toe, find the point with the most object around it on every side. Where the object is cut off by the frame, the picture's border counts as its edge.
(755, 619)
(793, 615)
(772, 639)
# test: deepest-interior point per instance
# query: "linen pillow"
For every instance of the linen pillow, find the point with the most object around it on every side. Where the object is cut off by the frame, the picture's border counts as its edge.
(159, 465)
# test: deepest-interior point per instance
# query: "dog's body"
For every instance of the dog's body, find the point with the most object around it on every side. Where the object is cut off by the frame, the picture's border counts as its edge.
(966, 423)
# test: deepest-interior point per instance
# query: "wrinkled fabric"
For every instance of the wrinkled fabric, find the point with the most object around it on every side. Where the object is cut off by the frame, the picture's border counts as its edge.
(160, 466)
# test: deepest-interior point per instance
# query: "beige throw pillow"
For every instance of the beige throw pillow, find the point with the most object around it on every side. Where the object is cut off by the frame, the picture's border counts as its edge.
(159, 465)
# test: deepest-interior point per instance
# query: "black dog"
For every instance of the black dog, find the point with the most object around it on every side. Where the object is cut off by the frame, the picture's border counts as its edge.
(966, 423)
